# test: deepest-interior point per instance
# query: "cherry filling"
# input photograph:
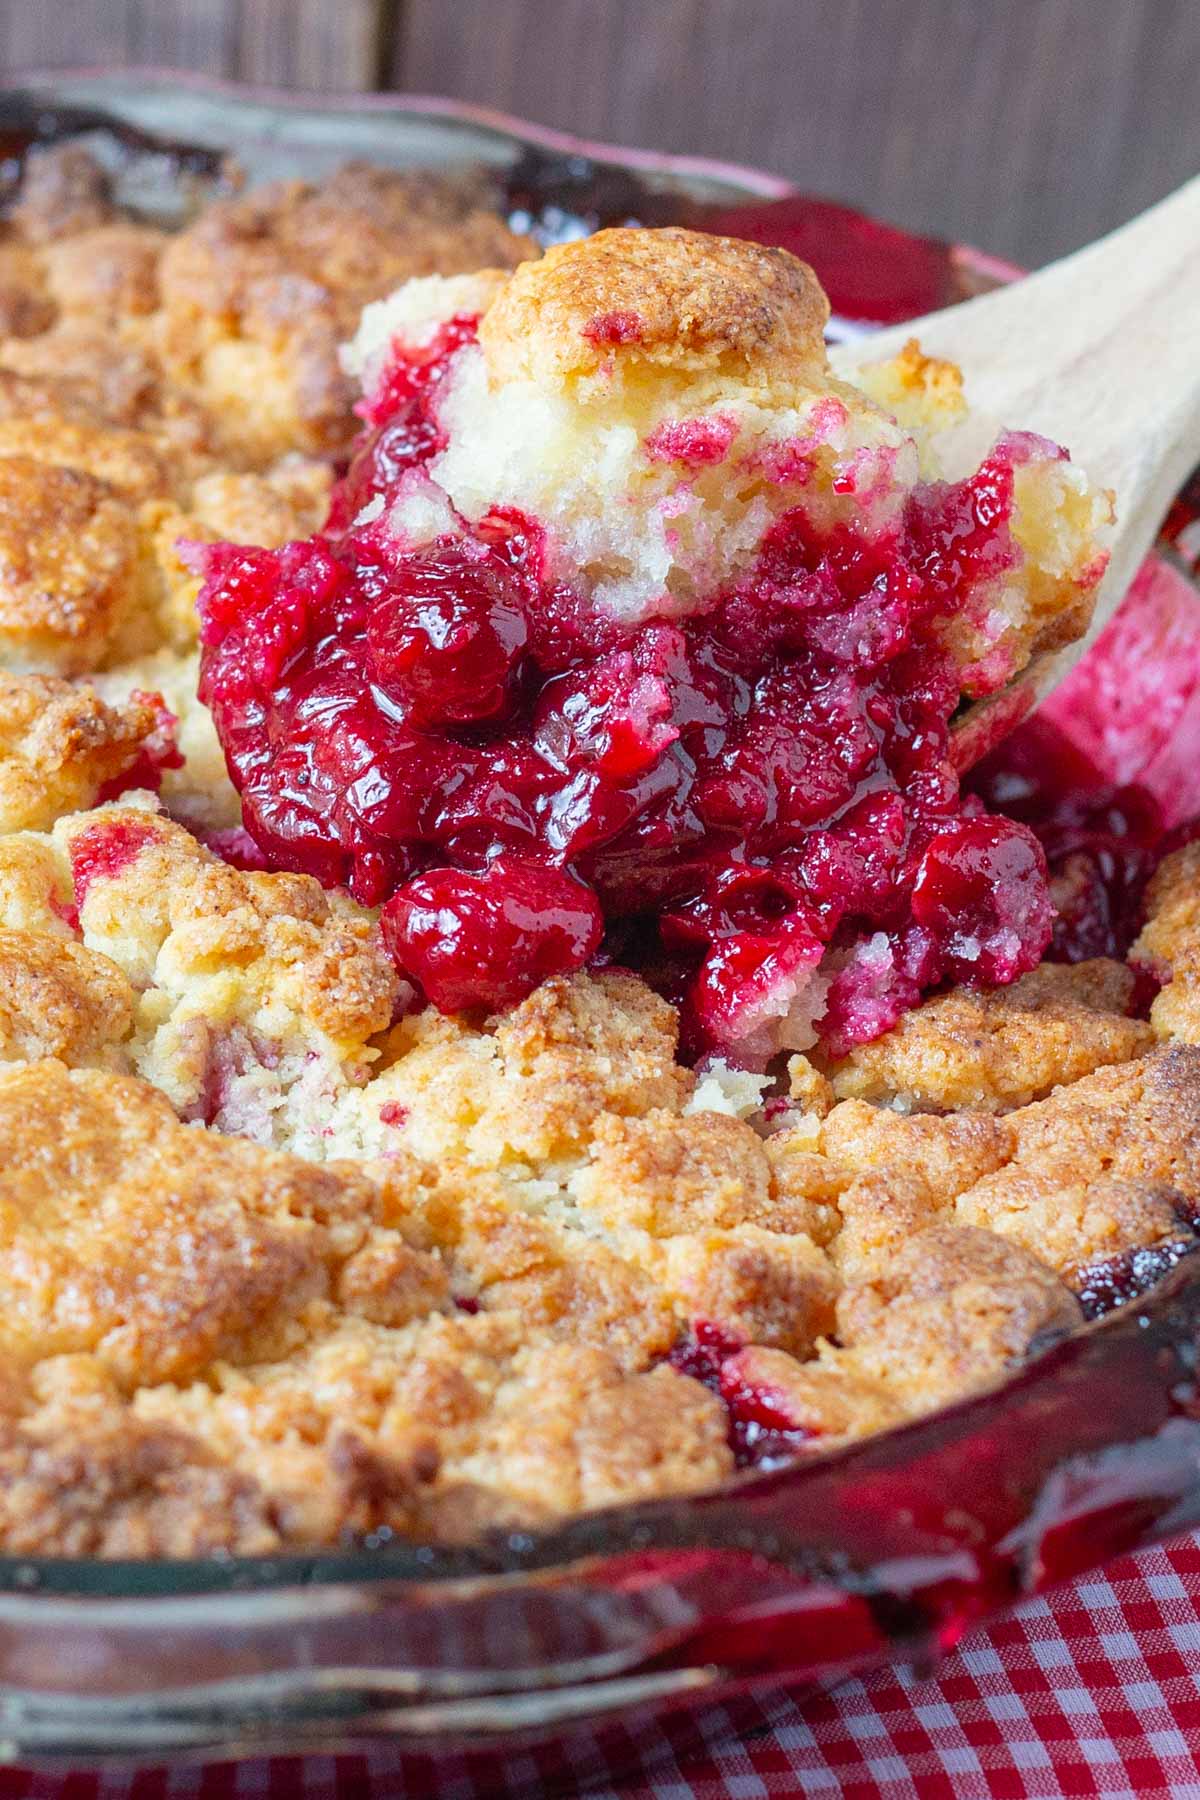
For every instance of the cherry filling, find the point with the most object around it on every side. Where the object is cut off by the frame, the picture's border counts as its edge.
(758, 801)
(762, 1433)
(1102, 840)
(1119, 1279)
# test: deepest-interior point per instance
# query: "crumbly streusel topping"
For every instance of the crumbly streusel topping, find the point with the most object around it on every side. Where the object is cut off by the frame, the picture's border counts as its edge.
(283, 1262)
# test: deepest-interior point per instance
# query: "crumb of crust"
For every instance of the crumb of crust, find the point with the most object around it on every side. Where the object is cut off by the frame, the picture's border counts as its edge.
(89, 373)
(60, 745)
(90, 520)
(672, 299)
(199, 793)
(805, 1186)
(574, 1435)
(82, 1476)
(156, 1248)
(68, 566)
(880, 1212)
(252, 987)
(35, 885)
(759, 1285)
(953, 1310)
(945, 1154)
(58, 999)
(133, 465)
(63, 191)
(1100, 1166)
(925, 393)
(809, 1088)
(1138, 1120)
(25, 304)
(559, 1283)
(107, 272)
(524, 1089)
(78, 372)
(666, 1173)
(697, 1201)
(990, 1052)
(1170, 944)
(261, 291)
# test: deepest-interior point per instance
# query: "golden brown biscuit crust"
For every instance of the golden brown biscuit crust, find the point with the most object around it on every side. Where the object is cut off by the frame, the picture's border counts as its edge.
(68, 557)
(1169, 944)
(60, 745)
(263, 290)
(668, 299)
(990, 1052)
(58, 999)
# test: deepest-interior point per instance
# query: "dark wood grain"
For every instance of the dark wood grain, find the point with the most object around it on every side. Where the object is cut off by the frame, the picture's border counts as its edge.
(1027, 126)
(290, 43)
(310, 43)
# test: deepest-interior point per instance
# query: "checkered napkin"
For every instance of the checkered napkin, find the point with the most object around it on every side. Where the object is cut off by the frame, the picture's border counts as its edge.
(1095, 1691)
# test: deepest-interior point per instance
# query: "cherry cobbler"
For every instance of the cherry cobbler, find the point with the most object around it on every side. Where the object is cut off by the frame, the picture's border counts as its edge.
(508, 1001)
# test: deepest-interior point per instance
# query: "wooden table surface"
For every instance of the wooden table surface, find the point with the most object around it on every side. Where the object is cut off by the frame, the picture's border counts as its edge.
(1026, 126)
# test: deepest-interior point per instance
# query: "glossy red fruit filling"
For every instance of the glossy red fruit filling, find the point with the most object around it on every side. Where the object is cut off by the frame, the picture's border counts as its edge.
(445, 642)
(1105, 1285)
(1102, 840)
(490, 938)
(758, 800)
(762, 1433)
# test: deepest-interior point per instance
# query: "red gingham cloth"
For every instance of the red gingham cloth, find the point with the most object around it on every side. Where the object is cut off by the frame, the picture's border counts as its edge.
(1095, 1691)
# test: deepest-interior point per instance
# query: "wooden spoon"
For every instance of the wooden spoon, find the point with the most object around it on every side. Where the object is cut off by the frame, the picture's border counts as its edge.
(1101, 352)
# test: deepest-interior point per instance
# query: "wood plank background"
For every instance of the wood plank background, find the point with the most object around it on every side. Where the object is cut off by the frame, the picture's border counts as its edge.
(1026, 126)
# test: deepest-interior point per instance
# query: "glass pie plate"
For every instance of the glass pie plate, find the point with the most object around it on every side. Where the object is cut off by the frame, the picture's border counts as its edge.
(571, 1641)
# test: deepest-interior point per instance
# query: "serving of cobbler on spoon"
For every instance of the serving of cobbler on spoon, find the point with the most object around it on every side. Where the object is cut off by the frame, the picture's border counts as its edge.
(509, 999)
(633, 632)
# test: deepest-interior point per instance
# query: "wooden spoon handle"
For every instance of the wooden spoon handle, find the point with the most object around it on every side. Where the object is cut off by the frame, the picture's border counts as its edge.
(1101, 352)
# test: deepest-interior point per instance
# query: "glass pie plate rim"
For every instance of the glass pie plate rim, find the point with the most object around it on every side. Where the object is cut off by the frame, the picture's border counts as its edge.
(891, 1546)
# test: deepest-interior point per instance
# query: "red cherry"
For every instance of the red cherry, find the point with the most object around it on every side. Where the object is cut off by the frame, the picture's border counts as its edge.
(981, 889)
(490, 939)
(446, 638)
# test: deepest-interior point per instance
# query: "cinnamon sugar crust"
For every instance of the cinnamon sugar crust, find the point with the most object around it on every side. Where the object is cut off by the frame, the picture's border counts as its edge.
(61, 745)
(260, 292)
(109, 272)
(669, 299)
(1169, 944)
(58, 999)
(989, 1052)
